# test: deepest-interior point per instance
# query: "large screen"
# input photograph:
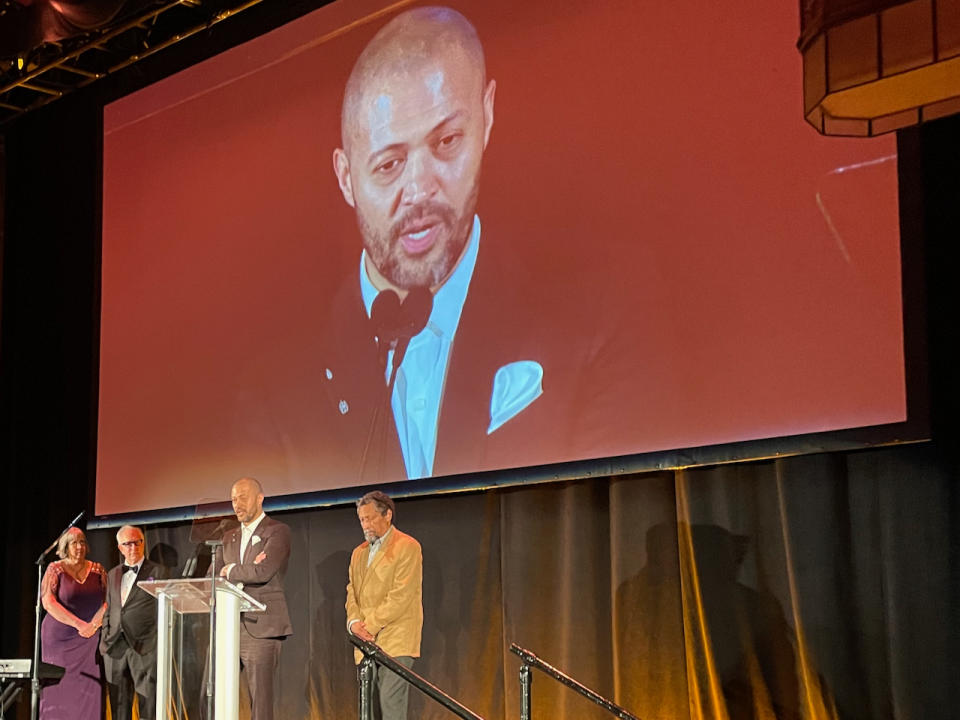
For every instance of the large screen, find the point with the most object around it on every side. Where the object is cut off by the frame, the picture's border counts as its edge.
(388, 243)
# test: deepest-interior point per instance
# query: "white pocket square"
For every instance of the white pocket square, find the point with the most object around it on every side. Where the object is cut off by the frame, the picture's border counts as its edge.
(515, 386)
(255, 540)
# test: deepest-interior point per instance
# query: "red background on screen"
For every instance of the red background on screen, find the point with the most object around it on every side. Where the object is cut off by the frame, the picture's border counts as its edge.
(654, 157)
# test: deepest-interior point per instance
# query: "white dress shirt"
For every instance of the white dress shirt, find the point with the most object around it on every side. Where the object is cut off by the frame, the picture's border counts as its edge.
(128, 580)
(246, 533)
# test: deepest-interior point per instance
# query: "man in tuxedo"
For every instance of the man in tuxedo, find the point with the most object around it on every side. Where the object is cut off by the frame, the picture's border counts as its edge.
(128, 640)
(256, 555)
(384, 597)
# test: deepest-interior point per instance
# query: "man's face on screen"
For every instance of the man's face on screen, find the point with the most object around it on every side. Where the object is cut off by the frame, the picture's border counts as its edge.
(411, 165)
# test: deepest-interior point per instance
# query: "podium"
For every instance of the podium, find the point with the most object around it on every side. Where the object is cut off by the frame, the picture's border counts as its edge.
(184, 596)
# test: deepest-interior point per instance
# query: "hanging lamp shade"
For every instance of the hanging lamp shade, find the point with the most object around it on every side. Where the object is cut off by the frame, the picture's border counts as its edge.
(873, 66)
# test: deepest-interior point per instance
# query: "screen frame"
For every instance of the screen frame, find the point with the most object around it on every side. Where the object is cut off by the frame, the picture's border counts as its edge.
(916, 428)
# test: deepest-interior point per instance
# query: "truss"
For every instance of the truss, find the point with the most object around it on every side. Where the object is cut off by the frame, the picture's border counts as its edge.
(55, 69)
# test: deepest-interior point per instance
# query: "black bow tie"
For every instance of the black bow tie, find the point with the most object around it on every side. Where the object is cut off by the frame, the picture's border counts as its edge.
(129, 568)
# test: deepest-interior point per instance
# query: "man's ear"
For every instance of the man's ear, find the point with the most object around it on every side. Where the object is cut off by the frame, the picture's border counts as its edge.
(488, 97)
(341, 167)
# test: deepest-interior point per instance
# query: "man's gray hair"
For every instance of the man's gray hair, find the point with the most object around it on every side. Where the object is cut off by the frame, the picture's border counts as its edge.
(381, 501)
(129, 527)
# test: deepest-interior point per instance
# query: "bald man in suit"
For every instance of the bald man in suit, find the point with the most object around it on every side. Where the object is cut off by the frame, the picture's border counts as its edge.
(384, 597)
(256, 554)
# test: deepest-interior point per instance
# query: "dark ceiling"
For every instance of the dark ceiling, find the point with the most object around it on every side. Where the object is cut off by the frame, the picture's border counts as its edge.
(50, 49)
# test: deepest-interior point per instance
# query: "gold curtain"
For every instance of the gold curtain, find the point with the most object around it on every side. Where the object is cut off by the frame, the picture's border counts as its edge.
(805, 588)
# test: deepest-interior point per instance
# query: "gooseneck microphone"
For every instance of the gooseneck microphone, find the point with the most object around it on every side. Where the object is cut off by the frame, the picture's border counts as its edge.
(385, 323)
(395, 323)
(414, 313)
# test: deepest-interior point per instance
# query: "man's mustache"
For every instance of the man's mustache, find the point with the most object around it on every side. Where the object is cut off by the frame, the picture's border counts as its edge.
(413, 219)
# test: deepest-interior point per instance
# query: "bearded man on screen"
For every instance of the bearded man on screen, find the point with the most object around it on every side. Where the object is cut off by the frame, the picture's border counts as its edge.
(429, 367)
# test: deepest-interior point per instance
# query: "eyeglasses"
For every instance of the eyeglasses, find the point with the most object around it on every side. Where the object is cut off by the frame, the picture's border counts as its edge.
(131, 543)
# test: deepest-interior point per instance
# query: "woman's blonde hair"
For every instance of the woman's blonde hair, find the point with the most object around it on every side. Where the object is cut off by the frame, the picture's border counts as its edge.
(65, 540)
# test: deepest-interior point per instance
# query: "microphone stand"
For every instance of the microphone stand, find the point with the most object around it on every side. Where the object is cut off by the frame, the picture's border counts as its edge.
(379, 426)
(213, 545)
(35, 665)
(394, 323)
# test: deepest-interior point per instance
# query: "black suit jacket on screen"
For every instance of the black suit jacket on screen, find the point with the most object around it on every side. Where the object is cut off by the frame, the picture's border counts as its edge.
(506, 318)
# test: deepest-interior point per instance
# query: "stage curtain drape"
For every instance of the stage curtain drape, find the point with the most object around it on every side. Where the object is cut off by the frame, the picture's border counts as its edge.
(823, 586)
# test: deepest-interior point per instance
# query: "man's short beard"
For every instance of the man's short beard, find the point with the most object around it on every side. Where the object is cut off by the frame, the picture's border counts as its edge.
(435, 265)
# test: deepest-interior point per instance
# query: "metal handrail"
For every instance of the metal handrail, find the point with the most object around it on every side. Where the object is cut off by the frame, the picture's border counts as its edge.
(531, 660)
(374, 654)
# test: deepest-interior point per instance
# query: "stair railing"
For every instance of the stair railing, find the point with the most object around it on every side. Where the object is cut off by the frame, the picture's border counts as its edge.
(373, 655)
(532, 661)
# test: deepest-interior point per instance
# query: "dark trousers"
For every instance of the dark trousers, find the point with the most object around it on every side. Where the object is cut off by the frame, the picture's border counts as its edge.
(258, 664)
(391, 692)
(128, 675)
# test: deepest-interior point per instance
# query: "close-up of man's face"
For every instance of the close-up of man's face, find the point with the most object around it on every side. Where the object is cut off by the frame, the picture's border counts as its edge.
(414, 133)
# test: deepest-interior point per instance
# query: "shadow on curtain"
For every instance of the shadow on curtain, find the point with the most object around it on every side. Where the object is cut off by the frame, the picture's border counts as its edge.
(816, 587)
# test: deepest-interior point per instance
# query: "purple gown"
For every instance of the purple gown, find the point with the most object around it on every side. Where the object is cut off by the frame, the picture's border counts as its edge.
(79, 694)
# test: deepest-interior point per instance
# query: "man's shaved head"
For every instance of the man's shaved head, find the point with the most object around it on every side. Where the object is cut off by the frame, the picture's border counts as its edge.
(246, 495)
(416, 117)
(402, 46)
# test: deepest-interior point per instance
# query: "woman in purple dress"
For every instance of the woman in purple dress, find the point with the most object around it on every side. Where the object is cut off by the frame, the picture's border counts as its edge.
(73, 594)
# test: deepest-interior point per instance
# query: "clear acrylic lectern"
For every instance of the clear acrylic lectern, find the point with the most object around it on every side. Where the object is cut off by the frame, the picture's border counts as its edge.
(184, 596)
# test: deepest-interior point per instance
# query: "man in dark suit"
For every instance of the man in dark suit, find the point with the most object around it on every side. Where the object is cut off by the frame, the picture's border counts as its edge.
(128, 640)
(255, 555)
(416, 390)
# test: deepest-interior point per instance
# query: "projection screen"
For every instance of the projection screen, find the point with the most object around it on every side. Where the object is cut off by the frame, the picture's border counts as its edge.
(626, 239)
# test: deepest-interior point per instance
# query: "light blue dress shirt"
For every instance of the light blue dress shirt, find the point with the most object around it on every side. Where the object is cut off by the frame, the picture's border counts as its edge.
(418, 389)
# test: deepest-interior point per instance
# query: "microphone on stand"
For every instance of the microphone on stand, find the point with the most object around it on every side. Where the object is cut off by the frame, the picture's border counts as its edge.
(393, 324)
(385, 323)
(54, 543)
(414, 313)
(35, 663)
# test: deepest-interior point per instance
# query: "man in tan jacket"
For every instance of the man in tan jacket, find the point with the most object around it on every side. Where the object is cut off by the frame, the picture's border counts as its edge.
(384, 597)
